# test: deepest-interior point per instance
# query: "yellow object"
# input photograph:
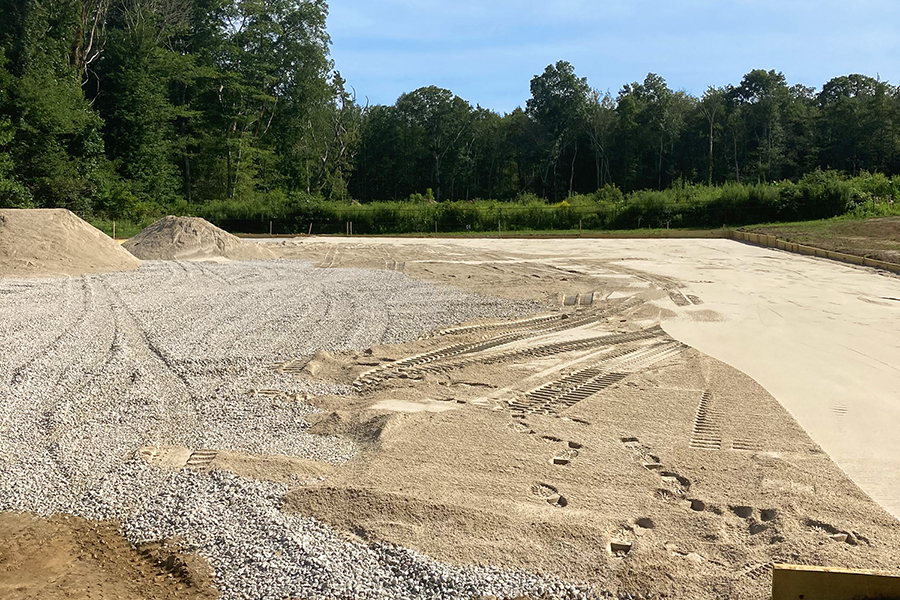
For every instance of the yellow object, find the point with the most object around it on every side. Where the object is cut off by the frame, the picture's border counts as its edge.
(800, 582)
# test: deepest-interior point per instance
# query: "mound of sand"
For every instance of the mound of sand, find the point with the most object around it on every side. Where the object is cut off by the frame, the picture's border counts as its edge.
(191, 238)
(53, 241)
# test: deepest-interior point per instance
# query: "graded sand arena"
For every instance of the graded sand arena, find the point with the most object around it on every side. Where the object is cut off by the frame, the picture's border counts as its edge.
(327, 432)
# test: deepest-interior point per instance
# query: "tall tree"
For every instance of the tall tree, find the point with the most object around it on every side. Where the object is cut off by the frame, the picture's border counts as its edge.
(440, 119)
(712, 106)
(57, 146)
(557, 104)
(600, 123)
(763, 95)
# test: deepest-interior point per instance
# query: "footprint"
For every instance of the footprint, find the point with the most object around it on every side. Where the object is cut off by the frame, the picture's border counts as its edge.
(665, 495)
(833, 532)
(744, 512)
(757, 528)
(565, 457)
(679, 484)
(621, 541)
(697, 505)
(619, 548)
(645, 523)
(521, 427)
(548, 493)
(544, 490)
(651, 462)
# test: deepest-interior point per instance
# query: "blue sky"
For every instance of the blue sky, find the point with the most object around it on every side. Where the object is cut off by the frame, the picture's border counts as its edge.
(487, 52)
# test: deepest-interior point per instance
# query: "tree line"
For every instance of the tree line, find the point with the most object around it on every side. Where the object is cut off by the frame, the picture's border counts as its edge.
(572, 138)
(126, 108)
(118, 106)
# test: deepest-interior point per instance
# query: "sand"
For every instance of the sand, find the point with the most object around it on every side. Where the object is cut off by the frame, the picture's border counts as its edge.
(822, 337)
(192, 238)
(734, 385)
(689, 464)
(65, 557)
(53, 242)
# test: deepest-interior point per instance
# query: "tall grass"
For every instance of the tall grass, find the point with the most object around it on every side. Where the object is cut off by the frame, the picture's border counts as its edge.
(820, 194)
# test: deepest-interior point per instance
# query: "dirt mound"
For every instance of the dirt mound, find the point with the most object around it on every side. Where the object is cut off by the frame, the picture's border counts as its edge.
(53, 241)
(191, 238)
(68, 557)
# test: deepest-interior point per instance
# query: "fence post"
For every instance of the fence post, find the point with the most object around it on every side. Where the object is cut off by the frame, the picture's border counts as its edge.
(310, 228)
(114, 230)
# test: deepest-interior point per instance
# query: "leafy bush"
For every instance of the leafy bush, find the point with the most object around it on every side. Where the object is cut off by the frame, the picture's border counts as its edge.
(817, 195)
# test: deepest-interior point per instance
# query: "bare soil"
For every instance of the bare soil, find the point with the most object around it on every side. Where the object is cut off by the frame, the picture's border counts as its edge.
(52, 242)
(191, 238)
(67, 557)
(873, 238)
(583, 443)
(683, 477)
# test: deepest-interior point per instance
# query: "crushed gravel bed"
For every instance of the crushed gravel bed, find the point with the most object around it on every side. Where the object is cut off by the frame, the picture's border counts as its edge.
(95, 367)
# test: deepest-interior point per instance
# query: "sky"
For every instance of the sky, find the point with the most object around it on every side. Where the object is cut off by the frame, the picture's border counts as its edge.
(487, 51)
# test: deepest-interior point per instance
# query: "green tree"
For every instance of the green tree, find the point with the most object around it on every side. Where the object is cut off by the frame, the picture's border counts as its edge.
(763, 97)
(600, 124)
(557, 105)
(439, 119)
(136, 73)
(712, 106)
(56, 146)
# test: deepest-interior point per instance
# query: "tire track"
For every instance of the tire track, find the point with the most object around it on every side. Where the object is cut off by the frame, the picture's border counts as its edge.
(413, 363)
(707, 431)
(563, 393)
(18, 373)
(545, 350)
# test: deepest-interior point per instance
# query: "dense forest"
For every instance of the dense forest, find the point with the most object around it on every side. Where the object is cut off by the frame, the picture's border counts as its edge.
(127, 109)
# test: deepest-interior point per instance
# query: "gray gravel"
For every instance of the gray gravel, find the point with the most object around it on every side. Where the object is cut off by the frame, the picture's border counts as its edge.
(95, 367)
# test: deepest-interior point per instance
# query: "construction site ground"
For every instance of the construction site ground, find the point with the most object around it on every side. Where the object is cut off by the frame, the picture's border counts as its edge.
(675, 417)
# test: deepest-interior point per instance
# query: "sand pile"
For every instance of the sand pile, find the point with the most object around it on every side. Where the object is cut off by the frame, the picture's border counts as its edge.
(46, 242)
(191, 238)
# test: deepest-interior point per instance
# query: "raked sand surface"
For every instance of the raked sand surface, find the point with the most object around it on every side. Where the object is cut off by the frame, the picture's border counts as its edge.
(822, 337)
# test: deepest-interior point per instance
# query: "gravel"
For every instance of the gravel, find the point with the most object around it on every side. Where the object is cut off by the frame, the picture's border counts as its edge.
(176, 354)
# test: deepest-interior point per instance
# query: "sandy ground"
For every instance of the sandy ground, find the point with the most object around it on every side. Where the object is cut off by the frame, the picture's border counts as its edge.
(822, 337)
(47, 242)
(666, 426)
(66, 557)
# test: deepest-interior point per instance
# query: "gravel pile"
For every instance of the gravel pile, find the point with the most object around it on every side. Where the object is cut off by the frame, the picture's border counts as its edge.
(175, 354)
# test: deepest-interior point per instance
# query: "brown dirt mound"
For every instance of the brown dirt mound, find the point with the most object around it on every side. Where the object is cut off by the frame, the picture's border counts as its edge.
(53, 241)
(191, 238)
(68, 557)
